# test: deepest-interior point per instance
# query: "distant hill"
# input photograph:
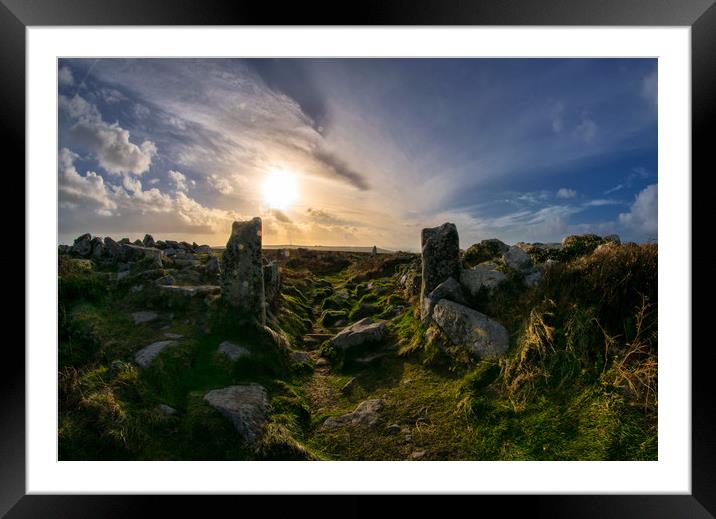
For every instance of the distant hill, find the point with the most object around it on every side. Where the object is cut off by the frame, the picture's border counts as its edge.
(335, 248)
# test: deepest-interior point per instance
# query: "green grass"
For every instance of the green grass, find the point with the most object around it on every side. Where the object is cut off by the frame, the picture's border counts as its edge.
(578, 383)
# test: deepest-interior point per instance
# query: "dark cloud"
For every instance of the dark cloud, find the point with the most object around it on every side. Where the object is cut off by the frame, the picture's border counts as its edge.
(281, 216)
(291, 78)
(341, 169)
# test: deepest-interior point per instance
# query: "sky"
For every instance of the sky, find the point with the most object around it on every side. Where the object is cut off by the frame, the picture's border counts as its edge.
(357, 152)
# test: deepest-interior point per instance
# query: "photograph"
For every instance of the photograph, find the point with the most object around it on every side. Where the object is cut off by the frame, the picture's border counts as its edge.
(385, 259)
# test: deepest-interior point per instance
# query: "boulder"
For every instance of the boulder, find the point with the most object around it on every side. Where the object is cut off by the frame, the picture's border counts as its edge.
(64, 249)
(145, 356)
(612, 238)
(246, 405)
(148, 241)
(242, 277)
(160, 245)
(482, 335)
(448, 289)
(440, 257)
(485, 275)
(166, 410)
(233, 351)
(203, 249)
(484, 251)
(165, 280)
(185, 245)
(171, 244)
(533, 278)
(111, 248)
(97, 248)
(189, 291)
(365, 331)
(366, 414)
(517, 259)
(272, 283)
(138, 243)
(82, 245)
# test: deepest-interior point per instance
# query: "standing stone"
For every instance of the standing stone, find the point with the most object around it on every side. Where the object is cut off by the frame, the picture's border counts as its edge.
(272, 282)
(440, 257)
(148, 241)
(242, 277)
(97, 247)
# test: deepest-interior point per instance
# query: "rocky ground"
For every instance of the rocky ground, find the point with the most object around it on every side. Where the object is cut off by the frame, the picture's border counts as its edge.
(537, 351)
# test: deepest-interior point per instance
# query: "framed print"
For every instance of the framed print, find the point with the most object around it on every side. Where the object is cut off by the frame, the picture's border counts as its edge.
(417, 255)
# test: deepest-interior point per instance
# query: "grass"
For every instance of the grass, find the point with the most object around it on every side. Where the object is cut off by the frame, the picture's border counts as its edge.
(578, 382)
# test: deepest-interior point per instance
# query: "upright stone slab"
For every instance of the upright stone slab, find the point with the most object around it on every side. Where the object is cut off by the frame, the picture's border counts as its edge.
(242, 276)
(440, 257)
(272, 283)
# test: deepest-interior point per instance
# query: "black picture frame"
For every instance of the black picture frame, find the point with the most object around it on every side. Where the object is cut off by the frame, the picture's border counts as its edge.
(700, 15)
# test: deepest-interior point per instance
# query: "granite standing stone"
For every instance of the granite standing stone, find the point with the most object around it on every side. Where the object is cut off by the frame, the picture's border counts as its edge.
(242, 279)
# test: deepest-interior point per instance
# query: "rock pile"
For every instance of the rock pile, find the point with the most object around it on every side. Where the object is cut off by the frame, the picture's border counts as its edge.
(443, 300)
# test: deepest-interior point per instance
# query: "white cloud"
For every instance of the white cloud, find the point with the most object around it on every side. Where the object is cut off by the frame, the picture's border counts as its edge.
(154, 181)
(64, 76)
(566, 193)
(109, 142)
(220, 184)
(586, 130)
(599, 202)
(643, 215)
(89, 189)
(179, 179)
(649, 88)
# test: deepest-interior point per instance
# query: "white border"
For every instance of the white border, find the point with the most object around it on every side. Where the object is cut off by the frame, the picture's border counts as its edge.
(670, 474)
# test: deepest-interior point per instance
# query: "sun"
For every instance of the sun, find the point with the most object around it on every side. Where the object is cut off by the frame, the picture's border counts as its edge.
(280, 189)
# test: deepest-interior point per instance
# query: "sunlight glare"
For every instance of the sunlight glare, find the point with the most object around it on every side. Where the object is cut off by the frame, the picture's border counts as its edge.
(280, 189)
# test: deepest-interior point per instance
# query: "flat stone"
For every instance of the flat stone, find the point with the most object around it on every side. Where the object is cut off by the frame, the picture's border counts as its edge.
(170, 335)
(247, 406)
(144, 317)
(233, 351)
(145, 356)
(366, 414)
(365, 331)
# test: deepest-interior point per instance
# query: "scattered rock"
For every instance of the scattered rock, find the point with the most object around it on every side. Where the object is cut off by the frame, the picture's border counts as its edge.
(242, 280)
(417, 455)
(440, 257)
(129, 252)
(145, 356)
(448, 289)
(167, 410)
(393, 429)
(212, 266)
(136, 288)
(247, 406)
(321, 362)
(233, 351)
(148, 241)
(366, 414)
(144, 316)
(517, 259)
(203, 249)
(482, 335)
(349, 386)
(97, 248)
(612, 238)
(300, 357)
(166, 280)
(190, 291)
(365, 331)
(485, 275)
(122, 274)
(170, 335)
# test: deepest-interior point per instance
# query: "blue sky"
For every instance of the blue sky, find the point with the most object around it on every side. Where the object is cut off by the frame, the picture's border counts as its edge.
(518, 149)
